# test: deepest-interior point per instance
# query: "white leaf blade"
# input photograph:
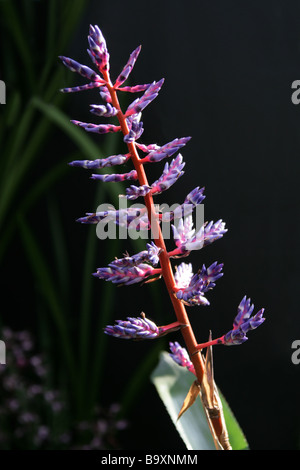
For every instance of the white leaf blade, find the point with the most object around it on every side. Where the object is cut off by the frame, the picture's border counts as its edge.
(172, 383)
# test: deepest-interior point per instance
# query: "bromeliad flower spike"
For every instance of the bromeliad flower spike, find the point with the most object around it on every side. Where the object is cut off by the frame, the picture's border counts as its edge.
(185, 287)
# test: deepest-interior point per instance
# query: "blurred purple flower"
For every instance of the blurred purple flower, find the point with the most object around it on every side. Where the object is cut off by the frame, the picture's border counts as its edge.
(32, 416)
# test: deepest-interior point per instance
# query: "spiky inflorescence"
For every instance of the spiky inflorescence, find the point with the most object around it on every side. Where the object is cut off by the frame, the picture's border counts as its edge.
(192, 287)
(186, 288)
(124, 275)
(187, 239)
(133, 328)
(151, 255)
(139, 328)
(242, 324)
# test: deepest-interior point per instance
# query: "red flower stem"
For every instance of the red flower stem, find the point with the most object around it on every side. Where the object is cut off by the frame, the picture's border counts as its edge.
(175, 252)
(172, 326)
(166, 268)
(209, 343)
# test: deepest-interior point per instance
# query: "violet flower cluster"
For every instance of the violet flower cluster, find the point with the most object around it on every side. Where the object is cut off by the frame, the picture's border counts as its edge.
(190, 288)
(34, 416)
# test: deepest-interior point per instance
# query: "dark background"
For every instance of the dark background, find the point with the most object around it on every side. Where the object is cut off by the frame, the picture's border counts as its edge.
(228, 69)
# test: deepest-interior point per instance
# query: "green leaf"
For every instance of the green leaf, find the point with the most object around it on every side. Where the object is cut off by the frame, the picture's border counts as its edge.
(54, 114)
(236, 436)
(18, 36)
(139, 380)
(36, 191)
(172, 383)
(41, 271)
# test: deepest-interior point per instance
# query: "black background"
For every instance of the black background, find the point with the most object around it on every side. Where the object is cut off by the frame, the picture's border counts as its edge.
(228, 69)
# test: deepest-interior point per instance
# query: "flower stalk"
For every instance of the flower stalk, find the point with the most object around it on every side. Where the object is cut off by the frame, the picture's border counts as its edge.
(166, 267)
(184, 287)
